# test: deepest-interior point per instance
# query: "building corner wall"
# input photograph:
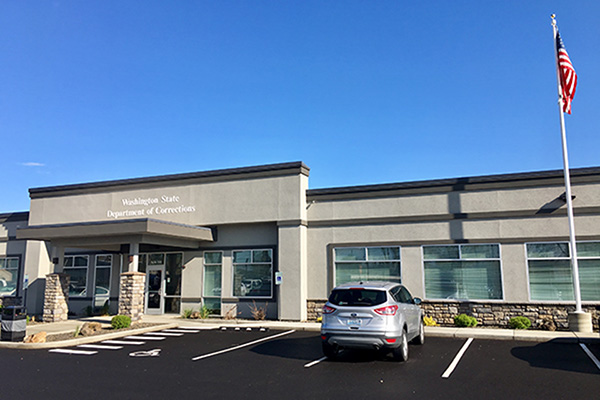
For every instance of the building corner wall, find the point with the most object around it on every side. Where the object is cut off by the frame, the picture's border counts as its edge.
(37, 265)
(293, 261)
(292, 293)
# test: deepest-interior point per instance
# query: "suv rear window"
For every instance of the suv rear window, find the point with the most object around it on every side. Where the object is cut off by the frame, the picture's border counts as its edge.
(357, 297)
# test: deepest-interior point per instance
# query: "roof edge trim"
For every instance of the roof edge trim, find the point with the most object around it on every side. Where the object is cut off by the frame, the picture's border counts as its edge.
(431, 184)
(293, 167)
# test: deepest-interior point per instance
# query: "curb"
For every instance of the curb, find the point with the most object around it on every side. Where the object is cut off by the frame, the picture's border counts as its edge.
(299, 326)
(84, 340)
(443, 332)
(512, 334)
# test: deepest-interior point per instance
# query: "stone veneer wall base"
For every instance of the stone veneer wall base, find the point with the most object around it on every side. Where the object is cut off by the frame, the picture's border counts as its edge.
(131, 295)
(56, 295)
(496, 315)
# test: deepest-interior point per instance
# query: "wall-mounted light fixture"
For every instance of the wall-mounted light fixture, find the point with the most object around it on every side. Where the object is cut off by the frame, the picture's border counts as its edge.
(563, 197)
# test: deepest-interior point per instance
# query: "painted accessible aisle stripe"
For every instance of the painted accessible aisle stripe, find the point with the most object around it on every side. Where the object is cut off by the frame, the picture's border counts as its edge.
(196, 328)
(100, 347)
(145, 337)
(590, 355)
(125, 342)
(310, 364)
(457, 359)
(243, 345)
(182, 331)
(163, 334)
(75, 352)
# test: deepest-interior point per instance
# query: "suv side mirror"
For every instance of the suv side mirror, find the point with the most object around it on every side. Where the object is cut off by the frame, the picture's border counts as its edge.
(416, 301)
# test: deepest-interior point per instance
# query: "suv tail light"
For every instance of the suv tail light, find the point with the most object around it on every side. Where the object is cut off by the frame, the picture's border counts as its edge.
(389, 310)
(328, 310)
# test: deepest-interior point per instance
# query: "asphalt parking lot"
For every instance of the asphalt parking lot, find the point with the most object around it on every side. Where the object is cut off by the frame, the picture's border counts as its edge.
(288, 364)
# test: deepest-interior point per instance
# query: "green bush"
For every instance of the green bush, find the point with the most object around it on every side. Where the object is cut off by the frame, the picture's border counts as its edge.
(464, 320)
(120, 322)
(187, 313)
(204, 312)
(519, 323)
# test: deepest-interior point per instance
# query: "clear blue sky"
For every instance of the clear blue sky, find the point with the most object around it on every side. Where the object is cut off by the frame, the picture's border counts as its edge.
(363, 92)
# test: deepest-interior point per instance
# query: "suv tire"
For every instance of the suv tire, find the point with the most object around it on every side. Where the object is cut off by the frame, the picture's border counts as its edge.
(331, 351)
(420, 339)
(401, 352)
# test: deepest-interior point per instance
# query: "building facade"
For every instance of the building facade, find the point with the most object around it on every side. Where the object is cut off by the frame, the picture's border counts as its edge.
(239, 239)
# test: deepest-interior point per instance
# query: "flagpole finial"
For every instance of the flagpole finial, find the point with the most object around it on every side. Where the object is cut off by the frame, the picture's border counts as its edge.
(553, 16)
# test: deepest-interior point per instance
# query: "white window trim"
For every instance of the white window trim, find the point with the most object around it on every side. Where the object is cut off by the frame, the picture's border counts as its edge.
(233, 264)
(559, 302)
(423, 260)
(204, 264)
(335, 247)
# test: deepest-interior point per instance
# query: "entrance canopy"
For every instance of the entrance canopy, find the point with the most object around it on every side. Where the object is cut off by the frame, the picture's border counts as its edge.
(110, 235)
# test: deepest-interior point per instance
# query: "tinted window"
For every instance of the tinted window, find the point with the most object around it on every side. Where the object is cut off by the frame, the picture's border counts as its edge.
(395, 292)
(357, 297)
(405, 296)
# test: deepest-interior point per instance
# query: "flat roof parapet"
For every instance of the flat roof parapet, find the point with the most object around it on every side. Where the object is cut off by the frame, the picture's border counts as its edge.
(291, 168)
(484, 182)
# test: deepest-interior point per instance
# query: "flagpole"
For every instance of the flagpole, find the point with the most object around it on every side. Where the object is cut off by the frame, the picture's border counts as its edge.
(574, 263)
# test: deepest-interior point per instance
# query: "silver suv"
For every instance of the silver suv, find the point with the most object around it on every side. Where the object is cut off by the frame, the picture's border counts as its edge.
(371, 315)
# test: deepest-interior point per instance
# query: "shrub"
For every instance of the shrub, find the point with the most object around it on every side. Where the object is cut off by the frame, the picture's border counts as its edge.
(429, 321)
(187, 313)
(258, 313)
(204, 312)
(120, 322)
(519, 323)
(464, 320)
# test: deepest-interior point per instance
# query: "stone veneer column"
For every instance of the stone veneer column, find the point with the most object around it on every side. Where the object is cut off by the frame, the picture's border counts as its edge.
(131, 295)
(55, 297)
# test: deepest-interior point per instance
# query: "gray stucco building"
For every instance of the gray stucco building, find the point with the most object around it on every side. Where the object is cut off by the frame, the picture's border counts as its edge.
(493, 246)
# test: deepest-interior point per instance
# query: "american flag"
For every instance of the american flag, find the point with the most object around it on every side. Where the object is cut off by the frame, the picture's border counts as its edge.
(568, 77)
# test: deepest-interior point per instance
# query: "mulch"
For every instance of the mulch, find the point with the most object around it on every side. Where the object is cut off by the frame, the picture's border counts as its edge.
(103, 331)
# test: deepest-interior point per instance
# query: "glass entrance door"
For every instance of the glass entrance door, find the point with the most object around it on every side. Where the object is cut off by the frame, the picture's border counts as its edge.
(155, 288)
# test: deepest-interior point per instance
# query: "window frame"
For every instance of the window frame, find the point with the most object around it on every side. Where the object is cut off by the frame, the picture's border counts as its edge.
(579, 258)
(96, 267)
(460, 245)
(6, 258)
(73, 267)
(366, 247)
(204, 265)
(272, 271)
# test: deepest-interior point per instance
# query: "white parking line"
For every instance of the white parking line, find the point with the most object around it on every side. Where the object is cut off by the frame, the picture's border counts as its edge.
(310, 364)
(145, 337)
(590, 355)
(181, 330)
(75, 352)
(163, 334)
(457, 359)
(100, 346)
(196, 328)
(243, 345)
(130, 342)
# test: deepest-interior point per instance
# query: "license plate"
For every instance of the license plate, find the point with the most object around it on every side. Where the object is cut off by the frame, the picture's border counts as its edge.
(354, 322)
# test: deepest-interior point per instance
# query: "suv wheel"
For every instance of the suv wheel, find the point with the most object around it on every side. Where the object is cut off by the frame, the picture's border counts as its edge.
(420, 339)
(330, 351)
(401, 353)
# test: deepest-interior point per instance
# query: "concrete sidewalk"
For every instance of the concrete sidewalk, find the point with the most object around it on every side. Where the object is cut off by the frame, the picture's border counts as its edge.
(171, 321)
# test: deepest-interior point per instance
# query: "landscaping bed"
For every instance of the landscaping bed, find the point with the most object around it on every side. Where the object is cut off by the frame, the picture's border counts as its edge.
(103, 331)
